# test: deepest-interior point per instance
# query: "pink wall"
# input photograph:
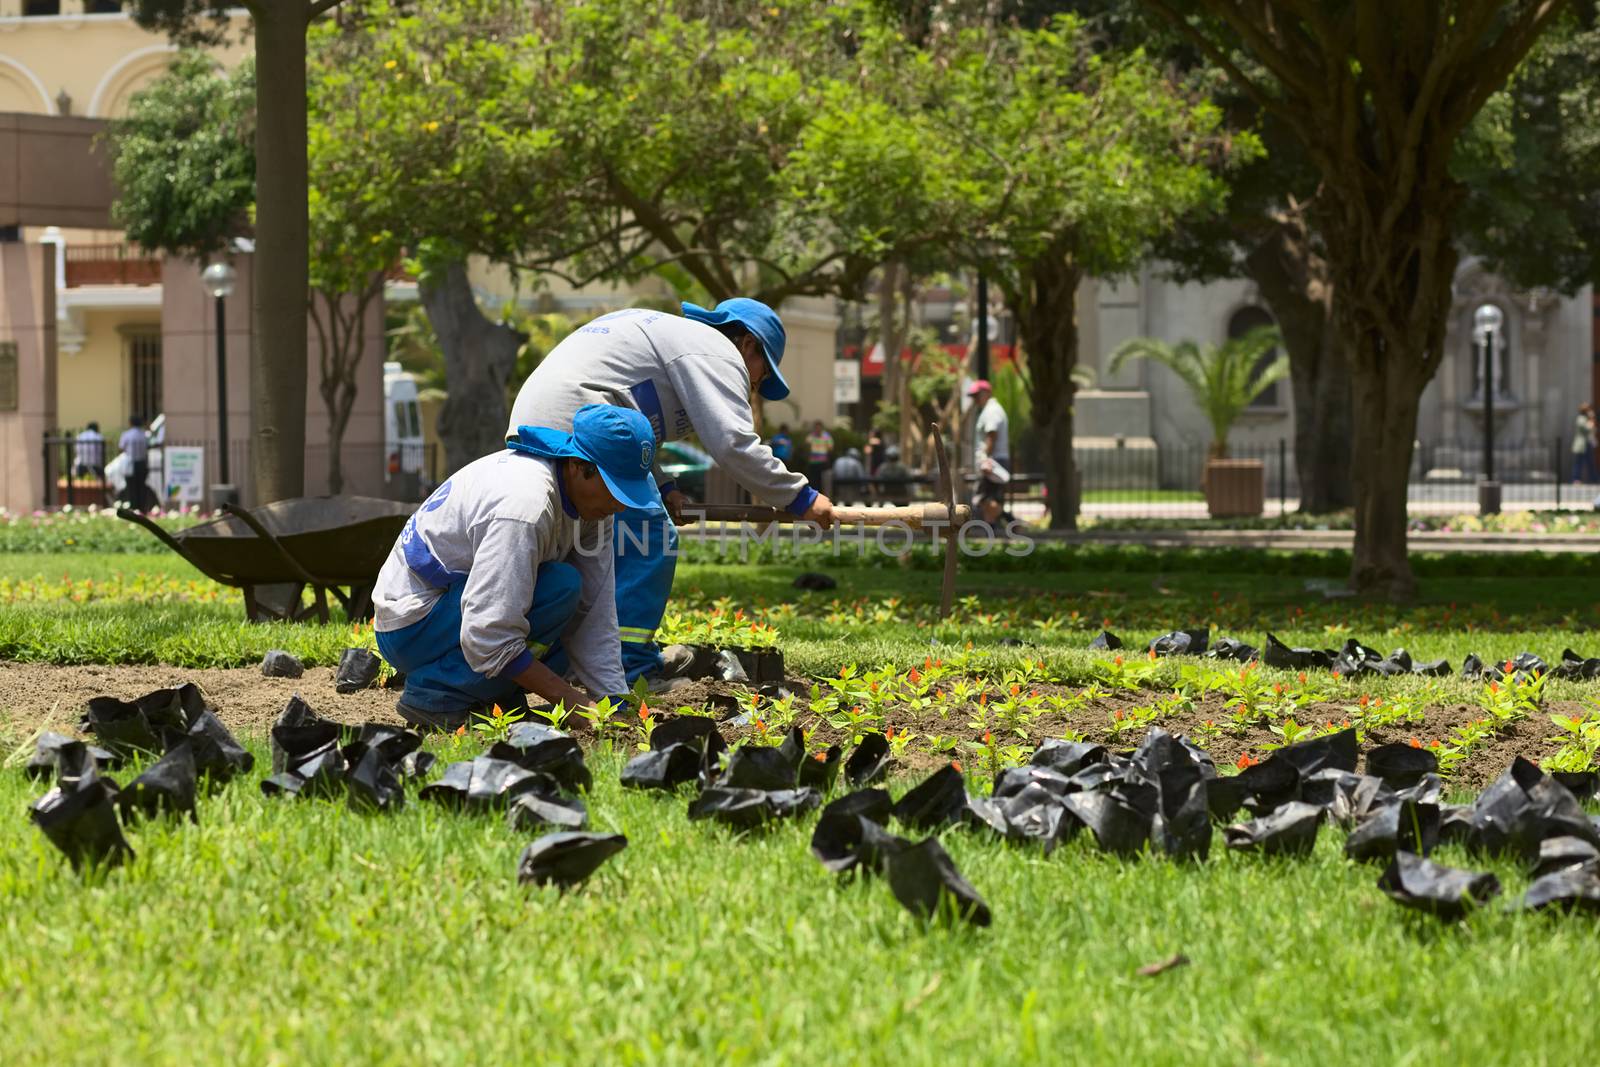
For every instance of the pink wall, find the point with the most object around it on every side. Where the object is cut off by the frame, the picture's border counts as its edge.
(28, 317)
(188, 328)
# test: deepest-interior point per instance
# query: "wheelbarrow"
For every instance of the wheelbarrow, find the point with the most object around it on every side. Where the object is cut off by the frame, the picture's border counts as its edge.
(328, 544)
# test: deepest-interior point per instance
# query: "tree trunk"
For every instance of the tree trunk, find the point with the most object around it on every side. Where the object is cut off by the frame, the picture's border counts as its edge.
(278, 347)
(1293, 279)
(341, 325)
(479, 356)
(889, 333)
(1044, 301)
(1386, 403)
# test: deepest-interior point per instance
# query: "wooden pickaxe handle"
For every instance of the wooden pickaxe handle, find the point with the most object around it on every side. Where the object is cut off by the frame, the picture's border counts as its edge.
(915, 517)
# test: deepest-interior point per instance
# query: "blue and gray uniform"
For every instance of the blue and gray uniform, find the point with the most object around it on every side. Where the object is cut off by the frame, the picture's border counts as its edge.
(685, 377)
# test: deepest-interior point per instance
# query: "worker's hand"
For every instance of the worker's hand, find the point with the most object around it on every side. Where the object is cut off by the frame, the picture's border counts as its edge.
(820, 512)
(675, 502)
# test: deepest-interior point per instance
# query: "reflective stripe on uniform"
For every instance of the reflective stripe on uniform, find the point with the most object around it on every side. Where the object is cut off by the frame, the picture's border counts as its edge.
(537, 648)
(636, 635)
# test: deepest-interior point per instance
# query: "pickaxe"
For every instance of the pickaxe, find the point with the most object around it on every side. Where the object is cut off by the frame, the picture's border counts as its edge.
(947, 515)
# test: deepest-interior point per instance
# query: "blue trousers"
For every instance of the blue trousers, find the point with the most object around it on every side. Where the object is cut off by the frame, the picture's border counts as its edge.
(429, 651)
(647, 557)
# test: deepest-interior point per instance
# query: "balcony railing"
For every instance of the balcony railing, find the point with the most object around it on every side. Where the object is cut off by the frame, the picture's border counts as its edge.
(116, 264)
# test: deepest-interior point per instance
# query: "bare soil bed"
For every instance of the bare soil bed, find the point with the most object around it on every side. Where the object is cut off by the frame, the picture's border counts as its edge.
(40, 695)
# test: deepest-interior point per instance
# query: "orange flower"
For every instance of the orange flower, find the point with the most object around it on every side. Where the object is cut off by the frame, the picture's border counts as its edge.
(1117, 716)
(820, 756)
(1414, 743)
(1245, 760)
(461, 731)
(983, 698)
(1365, 700)
(1433, 744)
(1336, 674)
(1015, 689)
(1208, 722)
(915, 676)
(1152, 655)
(1302, 677)
(956, 764)
(1494, 687)
(1278, 688)
(988, 738)
(1117, 660)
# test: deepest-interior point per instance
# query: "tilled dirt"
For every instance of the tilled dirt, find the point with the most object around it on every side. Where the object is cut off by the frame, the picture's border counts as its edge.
(34, 696)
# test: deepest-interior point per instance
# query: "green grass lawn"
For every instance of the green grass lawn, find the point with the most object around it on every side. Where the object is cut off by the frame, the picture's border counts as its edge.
(303, 932)
(300, 931)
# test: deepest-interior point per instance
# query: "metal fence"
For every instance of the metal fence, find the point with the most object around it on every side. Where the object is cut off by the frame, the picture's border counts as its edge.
(76, 471)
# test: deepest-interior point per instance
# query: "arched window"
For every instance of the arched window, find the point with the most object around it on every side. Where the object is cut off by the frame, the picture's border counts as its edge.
(1242, 322)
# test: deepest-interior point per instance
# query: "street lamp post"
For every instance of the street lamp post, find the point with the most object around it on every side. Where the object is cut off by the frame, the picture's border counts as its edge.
(218, 279)
(1487, 321)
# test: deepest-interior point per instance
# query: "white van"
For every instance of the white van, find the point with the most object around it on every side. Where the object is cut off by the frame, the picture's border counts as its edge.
(402, 423)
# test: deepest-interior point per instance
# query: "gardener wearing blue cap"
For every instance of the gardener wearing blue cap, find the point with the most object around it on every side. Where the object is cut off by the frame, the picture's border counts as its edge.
(505, 575)
(687, 374)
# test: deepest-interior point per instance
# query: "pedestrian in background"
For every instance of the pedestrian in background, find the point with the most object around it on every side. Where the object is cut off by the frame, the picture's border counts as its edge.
(89, 452)
(782, 445)
(819, 451)
(991, 451)
(135, 444)
(1583, 442)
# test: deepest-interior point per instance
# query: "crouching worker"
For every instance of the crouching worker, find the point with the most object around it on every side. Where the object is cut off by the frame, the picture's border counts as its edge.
(504, 578)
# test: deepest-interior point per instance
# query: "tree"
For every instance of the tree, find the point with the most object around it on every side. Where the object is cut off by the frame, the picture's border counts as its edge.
(184, 163)
(606, 141)
(1223, 379)
(1377, 96)
(278, 350)
(1057, 163)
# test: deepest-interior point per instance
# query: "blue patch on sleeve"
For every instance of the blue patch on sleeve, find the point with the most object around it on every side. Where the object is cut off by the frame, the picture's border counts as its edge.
(648, 401)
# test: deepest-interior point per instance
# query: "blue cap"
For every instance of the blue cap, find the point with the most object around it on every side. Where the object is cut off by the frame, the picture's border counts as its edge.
(760, 320)
(617, 440)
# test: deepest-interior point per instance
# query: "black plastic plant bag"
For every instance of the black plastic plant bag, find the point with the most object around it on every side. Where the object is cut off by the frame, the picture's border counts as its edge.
(1472, 669)
(45, 761)
(1581, 784)
(79, 819)
(358, 669)
(1013, 780)
(567, 858)
(1446, 892)
(815, 581)
(1036, 814)
(280, 664)
(167, 787)
(758, 767)
(1232, 649)
(533, 811)
(1181, 643)
(1401, 766)
(874, 804)
(662, 768)
(936, 801)
(1522, 808)
(394, 743)
(868, 762)
(749, 809)
(846, 842)
(1106, 641)
(371, 781)
(1576, 668)
(984, 813)
(291, 744)
(1402, 826)
(122, 728)
(1561, 853)
(1290, 830)
(819, 770)
(697, 731)
(1068, 757)
(925, 881)
(1120, 825)
(486, 783)
(1224, 798)
(216, 752)
(1434, 668)
(1346, 798)
(695, 662)
(317, 774)
(1268, 785)
(1338, 751)
(1280, 656)
(539, 748)
(1571, 889)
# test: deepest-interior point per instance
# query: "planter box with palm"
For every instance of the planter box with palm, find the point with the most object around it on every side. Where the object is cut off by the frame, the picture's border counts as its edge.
(1223, 379)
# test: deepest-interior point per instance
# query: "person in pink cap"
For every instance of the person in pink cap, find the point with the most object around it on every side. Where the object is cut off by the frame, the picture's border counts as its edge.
(991, 451)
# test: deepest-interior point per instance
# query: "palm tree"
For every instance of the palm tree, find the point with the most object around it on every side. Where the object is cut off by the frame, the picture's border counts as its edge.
(1223, 379)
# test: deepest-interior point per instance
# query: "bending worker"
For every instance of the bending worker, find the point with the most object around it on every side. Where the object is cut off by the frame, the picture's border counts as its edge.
(504, 576)
(689, 374)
